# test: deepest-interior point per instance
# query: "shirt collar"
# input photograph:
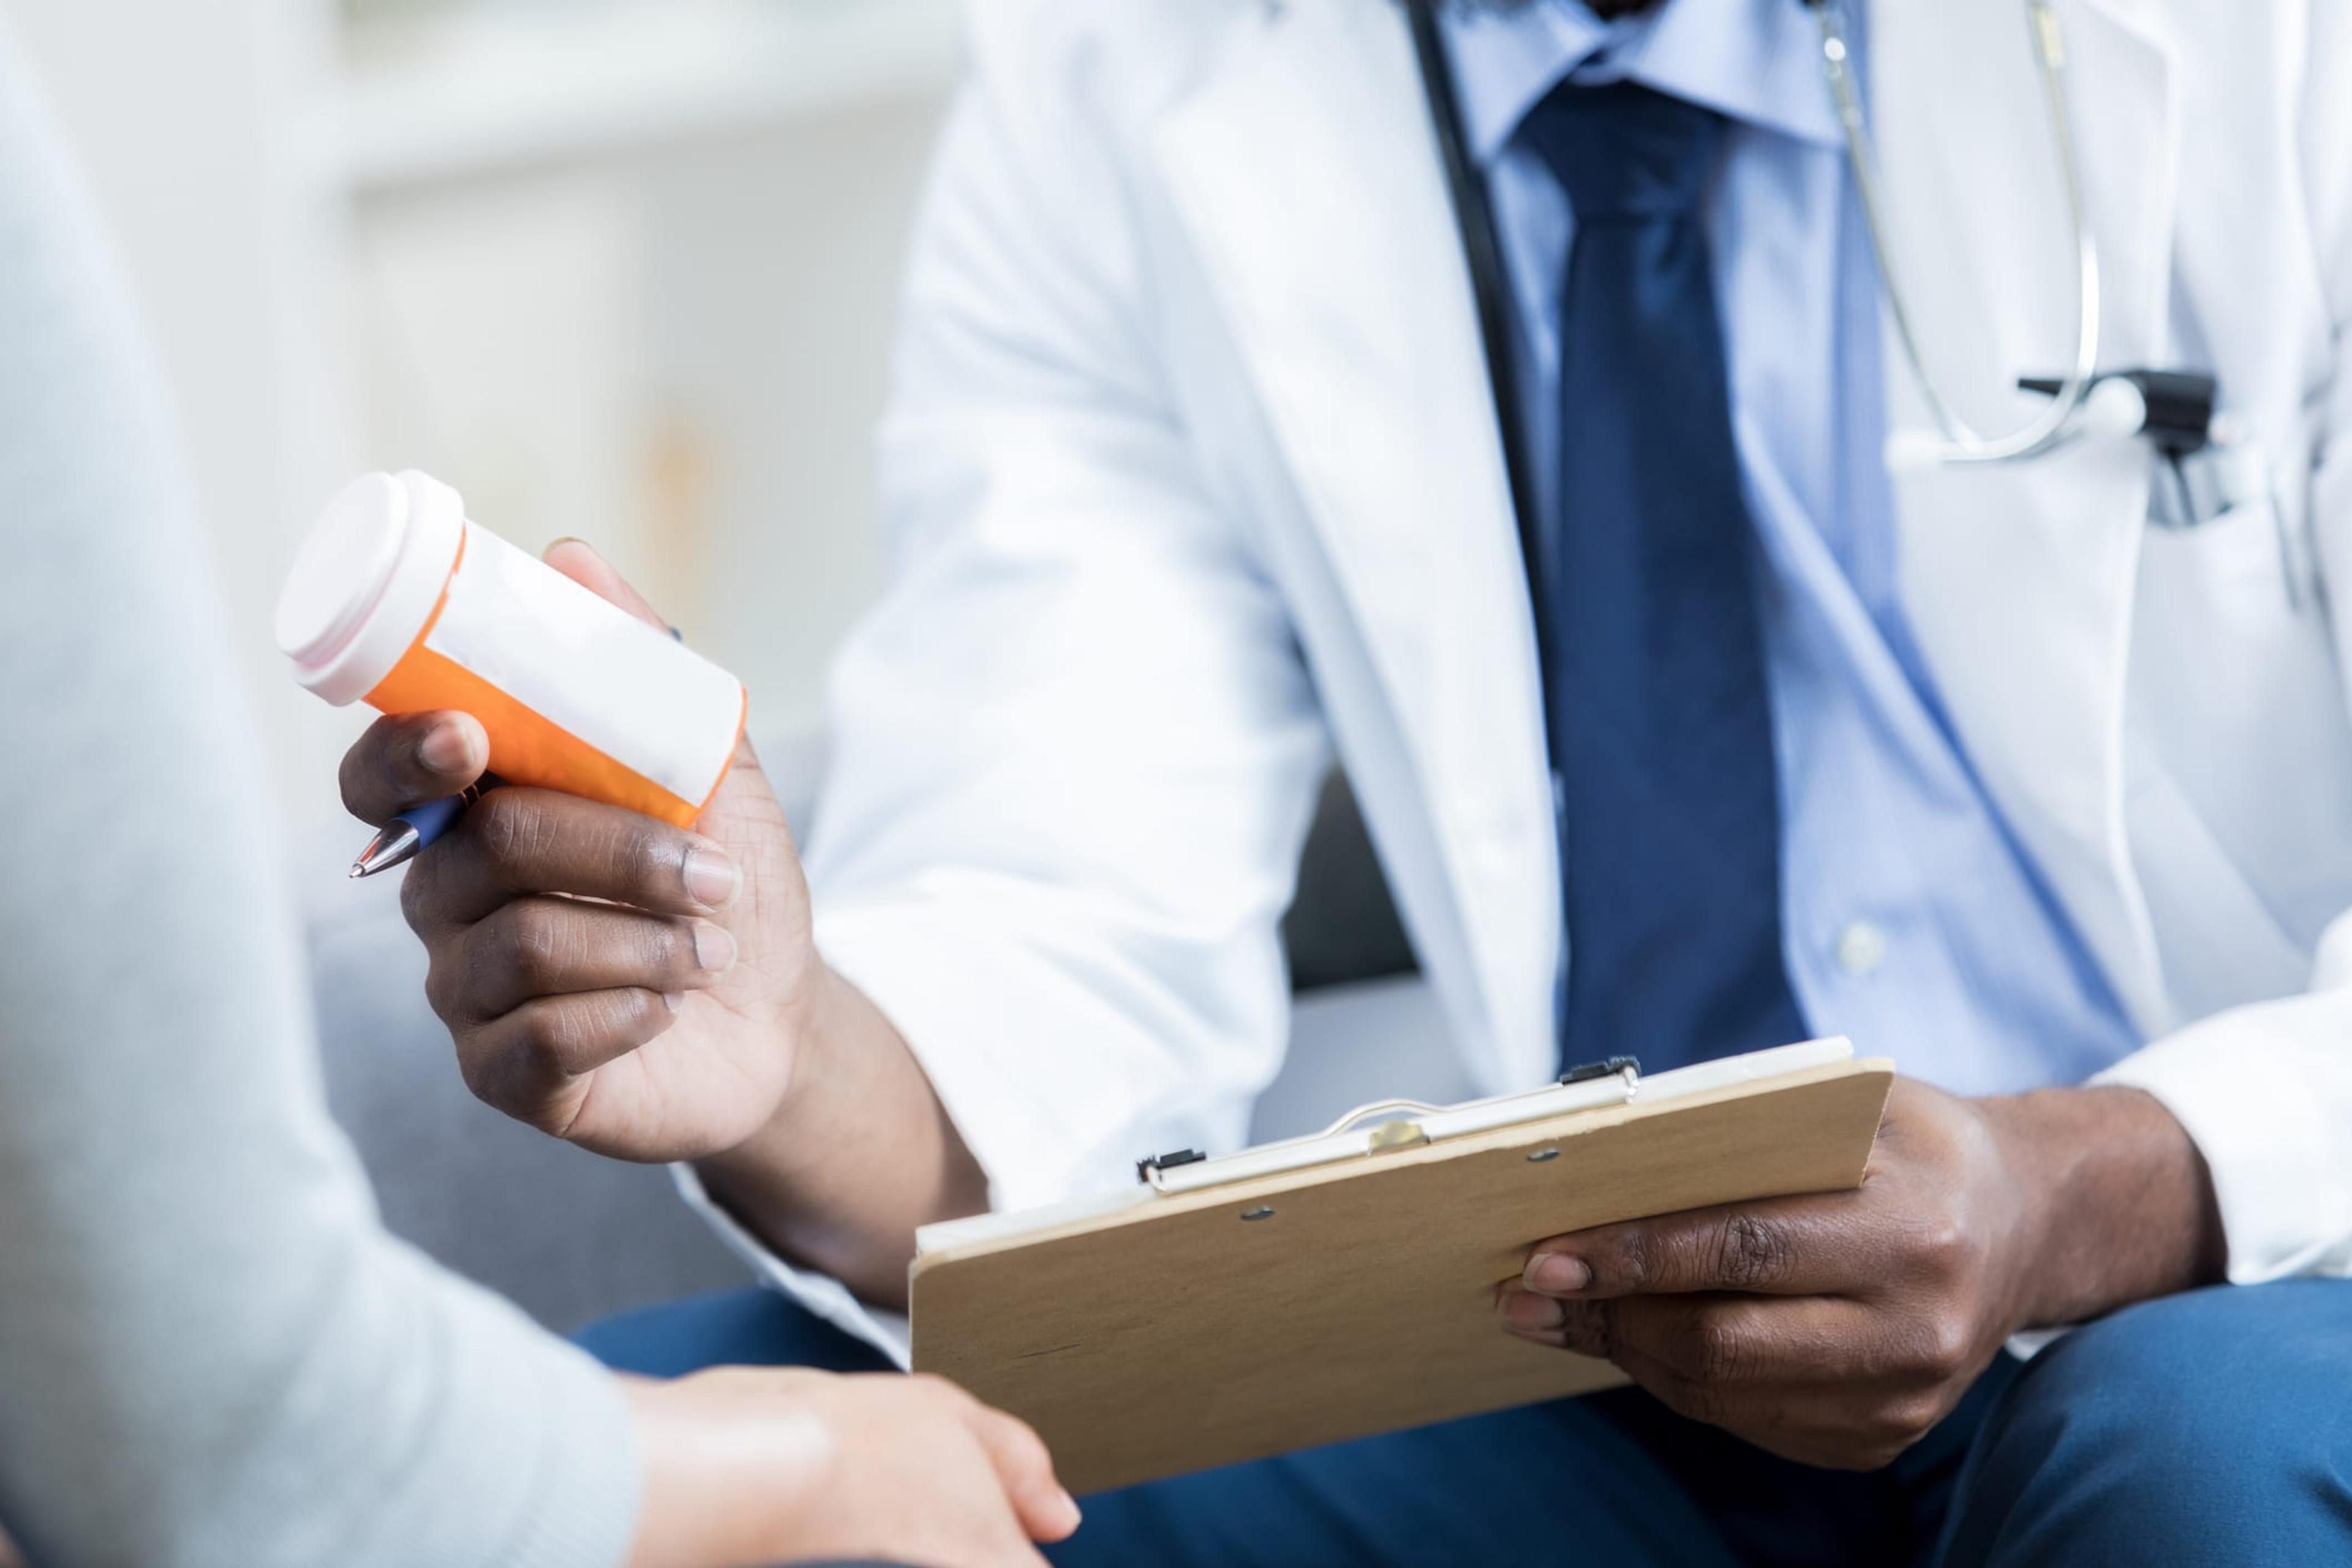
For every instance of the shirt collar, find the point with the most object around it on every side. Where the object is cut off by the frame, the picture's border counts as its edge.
(1758, 61)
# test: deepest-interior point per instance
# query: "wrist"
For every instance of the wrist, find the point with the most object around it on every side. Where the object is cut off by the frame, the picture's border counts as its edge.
(857, 1154)
(2119, 1206)
(728, 1465)
(813, 1040)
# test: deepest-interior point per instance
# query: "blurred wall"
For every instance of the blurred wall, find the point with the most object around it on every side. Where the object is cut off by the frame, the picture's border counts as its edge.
(627, 270)
(198, 125)
(676, 352)
(619, 268)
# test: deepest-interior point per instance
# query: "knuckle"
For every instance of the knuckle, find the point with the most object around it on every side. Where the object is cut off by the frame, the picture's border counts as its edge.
(505, 823)
(1941, 1245)
(663, 947)
(647, 1014)
(1716, 1353)
(546, 1040)
(1634, 1259)
(1749, 1252)
(1945, 1347)
(656, 863)
(529, 952)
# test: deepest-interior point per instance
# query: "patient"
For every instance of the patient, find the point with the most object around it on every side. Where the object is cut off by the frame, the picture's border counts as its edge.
(209, 1351)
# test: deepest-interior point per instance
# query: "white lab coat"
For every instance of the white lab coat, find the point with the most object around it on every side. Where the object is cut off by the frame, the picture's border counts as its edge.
(1192, 473)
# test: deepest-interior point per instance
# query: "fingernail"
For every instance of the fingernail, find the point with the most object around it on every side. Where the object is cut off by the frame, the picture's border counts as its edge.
(568, 539)
(446, 749)
(1534, 1313)
(711, 879)
(1071, 1517)
(714, 949)
(1557, 1274)
(673, 999)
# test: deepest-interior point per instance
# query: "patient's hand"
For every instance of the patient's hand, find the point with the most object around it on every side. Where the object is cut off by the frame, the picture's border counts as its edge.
(746, 1467)
(640, 990)
(9, 1556)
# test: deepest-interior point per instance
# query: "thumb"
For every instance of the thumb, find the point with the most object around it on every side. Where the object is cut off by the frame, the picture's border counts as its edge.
(1026, 1469)
(578, 560)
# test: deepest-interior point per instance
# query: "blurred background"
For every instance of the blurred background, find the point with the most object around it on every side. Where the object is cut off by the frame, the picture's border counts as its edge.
(619, 268)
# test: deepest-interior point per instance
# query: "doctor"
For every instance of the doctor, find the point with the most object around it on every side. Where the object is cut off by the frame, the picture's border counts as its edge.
(1194, 475)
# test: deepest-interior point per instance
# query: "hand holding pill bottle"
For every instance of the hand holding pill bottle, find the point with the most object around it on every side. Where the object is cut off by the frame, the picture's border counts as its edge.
(396, 599)
(621, 940)
(620, 936)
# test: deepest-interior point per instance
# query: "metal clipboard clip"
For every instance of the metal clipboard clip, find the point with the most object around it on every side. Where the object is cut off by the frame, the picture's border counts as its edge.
(1387, 1125)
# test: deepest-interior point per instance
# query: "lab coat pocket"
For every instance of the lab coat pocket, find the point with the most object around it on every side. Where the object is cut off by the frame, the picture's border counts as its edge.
(2230, 575)
(2235, 700)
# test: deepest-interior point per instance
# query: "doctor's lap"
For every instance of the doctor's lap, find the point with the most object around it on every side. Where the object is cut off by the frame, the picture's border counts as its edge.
(2203, 1429)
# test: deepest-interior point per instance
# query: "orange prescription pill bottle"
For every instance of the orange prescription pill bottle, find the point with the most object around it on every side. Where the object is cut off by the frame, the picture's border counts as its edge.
(394, 597)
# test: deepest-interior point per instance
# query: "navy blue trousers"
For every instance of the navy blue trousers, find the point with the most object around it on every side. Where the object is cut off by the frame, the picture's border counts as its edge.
(2214, 1427)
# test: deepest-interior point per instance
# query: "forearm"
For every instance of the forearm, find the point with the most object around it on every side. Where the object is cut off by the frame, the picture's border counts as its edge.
(858, 1156)
(2125, 1208)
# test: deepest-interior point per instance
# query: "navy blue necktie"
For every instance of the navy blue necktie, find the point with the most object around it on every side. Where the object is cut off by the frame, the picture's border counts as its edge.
(1654, 689)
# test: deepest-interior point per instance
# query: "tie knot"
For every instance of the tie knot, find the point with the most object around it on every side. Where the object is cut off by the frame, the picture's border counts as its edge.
(1623, 151)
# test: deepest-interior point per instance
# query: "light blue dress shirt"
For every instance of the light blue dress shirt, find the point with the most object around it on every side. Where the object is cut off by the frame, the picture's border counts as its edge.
(1911, 917)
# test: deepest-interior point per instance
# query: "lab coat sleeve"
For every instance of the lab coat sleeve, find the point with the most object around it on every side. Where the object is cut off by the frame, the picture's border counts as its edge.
(2266, 1090)
(1075, 746)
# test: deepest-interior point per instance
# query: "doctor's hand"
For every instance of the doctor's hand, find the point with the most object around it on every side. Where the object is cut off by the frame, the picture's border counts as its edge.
(653, 993)
(635, 988)
(1837, 1330)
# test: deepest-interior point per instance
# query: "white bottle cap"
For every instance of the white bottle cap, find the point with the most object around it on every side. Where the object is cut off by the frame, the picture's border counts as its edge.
(366, 579)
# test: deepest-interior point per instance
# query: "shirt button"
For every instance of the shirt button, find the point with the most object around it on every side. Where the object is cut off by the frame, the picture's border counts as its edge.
(1860, 949)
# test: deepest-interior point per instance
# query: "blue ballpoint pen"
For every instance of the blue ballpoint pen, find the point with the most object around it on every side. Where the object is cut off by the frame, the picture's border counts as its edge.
(399, 840)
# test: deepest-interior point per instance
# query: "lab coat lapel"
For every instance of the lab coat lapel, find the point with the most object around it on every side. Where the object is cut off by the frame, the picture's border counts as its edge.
(1305, 170)
(2017, 578)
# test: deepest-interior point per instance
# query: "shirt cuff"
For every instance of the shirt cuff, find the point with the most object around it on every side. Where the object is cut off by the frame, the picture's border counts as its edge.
(2266, 1093)
(974, 1004)
(820, 1295)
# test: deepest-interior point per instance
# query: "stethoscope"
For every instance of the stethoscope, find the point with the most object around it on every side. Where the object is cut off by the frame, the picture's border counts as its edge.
(2175, 410)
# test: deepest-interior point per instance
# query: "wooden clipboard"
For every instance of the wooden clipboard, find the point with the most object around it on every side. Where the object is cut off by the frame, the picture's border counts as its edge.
(1174, 1331)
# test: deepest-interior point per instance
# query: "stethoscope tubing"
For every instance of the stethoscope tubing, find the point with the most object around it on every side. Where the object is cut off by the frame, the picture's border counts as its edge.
(1961, 442)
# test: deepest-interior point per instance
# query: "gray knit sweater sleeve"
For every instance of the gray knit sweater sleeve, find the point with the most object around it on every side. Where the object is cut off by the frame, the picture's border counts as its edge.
(210, 1352)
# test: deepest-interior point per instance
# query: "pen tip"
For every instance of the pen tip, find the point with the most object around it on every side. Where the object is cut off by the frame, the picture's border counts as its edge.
(395, 845)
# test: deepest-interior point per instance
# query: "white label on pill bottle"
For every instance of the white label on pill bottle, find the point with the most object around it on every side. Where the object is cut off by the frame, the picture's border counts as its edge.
(589, 668)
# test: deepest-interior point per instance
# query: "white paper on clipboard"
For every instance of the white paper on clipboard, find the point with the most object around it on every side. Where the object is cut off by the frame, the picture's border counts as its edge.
(1365, 1132)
